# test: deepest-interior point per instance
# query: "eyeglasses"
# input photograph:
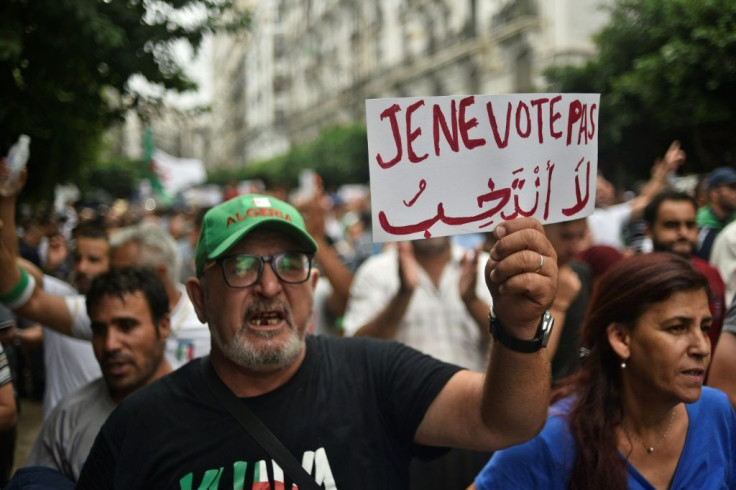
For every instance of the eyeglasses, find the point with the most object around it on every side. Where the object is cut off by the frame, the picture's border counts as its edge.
(242, 270)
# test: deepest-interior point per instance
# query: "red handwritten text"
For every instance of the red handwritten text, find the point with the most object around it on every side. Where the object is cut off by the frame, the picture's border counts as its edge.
(463, 126)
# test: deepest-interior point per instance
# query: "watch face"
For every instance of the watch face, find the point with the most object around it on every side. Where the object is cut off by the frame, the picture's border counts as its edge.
(548, 321)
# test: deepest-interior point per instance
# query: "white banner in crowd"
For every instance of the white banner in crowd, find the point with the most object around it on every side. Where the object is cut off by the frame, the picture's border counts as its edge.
(177, 174)
(462, 164)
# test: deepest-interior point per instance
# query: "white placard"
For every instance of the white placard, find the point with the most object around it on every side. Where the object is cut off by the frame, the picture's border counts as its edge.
(463, 164)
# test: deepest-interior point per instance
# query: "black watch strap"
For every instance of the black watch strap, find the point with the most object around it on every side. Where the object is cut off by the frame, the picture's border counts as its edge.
(525, 346)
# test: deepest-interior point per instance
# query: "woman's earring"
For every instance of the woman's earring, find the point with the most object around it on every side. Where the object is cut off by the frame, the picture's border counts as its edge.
(623, 364)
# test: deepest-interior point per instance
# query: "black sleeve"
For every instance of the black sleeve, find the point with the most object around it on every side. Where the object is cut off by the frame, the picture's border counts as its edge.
(98, 472)
(412, 381)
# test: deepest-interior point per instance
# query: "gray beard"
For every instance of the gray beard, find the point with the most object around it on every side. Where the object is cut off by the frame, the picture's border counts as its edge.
(260, 358)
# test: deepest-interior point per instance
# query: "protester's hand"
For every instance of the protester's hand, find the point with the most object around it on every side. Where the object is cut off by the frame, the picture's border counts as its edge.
(667, 165)
(408, 267)
(469, 275)
(9, 334)
(57, 253)
(674, 157)
(14, 189)
(31, 337)
(521, 290)
(659, 171)
(313, 211)
(568, 287)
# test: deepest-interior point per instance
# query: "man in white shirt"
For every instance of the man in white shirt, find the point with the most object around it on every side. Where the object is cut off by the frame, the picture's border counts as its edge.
(428, 294)
(70, 363)
(723, 258)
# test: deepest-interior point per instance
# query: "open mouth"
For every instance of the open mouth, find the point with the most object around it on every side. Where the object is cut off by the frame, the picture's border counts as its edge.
(266, 319)
(694, 373)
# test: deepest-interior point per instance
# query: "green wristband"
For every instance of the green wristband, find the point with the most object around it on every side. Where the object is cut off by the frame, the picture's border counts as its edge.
(21, 292)
(17, 290)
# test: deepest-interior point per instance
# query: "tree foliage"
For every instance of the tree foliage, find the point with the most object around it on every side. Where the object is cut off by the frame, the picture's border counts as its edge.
(65, 67)
(339, 155)
(118, 177)
(666, 69)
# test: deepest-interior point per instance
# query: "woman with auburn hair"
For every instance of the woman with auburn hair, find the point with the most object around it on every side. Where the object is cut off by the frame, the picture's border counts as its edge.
(635, 414)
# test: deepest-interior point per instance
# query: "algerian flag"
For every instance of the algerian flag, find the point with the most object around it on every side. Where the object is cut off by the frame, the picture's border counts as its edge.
(176, 174)
(168, 174)
(149, 147)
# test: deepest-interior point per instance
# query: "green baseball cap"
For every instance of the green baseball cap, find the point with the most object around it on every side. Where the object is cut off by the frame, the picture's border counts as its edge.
(225, 224)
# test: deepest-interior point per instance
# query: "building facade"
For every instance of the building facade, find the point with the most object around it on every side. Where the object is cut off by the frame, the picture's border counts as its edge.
(308, 64)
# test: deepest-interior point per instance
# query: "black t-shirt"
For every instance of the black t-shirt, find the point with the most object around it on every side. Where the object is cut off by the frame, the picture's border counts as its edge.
(349, 415)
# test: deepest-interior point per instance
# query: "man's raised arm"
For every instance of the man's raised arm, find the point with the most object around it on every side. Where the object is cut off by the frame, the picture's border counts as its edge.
(508, 404)
(18, 290)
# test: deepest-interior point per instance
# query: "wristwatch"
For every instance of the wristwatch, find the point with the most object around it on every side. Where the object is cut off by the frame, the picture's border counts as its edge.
(526, 346)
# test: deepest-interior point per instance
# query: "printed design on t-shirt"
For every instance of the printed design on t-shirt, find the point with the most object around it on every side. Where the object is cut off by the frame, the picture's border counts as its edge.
(314, 462)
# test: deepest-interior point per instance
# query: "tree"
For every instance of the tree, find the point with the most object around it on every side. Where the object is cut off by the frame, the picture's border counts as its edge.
(118, 176)
(666, 69)
(339, 154)
(65, 67)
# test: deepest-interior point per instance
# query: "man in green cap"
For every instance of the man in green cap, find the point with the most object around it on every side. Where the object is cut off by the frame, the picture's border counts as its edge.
(353, 412)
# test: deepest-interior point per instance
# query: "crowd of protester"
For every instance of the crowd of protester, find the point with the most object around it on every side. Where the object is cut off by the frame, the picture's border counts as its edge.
(431, 295)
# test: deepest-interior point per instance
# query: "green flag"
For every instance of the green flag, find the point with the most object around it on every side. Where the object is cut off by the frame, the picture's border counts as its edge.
(149, 148)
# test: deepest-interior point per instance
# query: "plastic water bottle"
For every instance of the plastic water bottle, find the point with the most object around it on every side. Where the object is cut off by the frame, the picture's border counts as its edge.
(17, 159)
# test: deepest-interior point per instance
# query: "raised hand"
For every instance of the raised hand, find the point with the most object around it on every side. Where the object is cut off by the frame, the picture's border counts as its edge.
(468, 275)
(314, 210)
(568, 287)
(408, 267)
(674, 157)
(11, 189)
(57, 253)
(521, 275)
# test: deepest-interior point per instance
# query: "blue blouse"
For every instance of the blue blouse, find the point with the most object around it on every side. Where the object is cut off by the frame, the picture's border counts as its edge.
(708, 459)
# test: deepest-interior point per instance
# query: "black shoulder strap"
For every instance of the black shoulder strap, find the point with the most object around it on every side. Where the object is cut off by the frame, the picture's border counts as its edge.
(263, 436)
